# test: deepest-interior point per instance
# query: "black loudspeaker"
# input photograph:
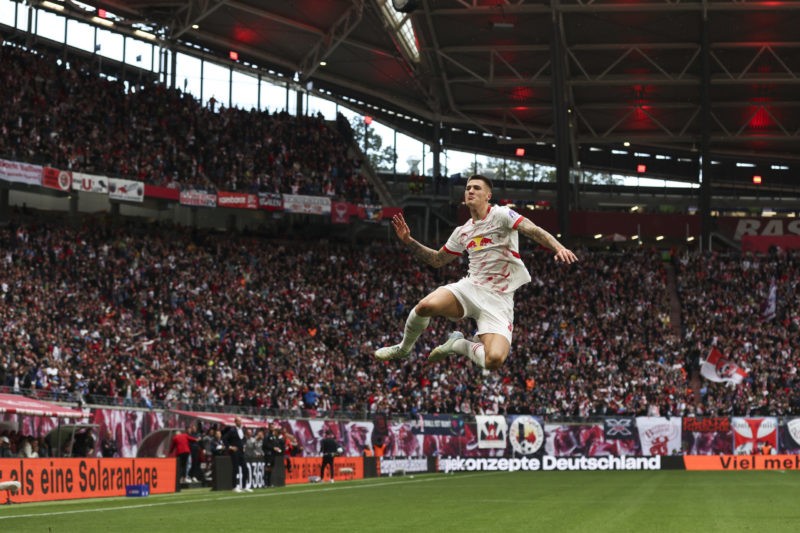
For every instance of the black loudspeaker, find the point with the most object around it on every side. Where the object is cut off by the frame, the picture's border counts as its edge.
(371, 467)
(222, 472)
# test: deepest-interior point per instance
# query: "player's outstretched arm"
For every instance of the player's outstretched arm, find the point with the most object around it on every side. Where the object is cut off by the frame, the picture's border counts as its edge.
(545, 238)
(435, 258)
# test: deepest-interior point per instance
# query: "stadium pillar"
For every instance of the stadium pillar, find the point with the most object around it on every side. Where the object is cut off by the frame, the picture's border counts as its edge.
(73, 209)
(706, 221)
(561, 124)
(4, 195)
(299, 95)
(436, 150)
(114, 214)
(173, 66)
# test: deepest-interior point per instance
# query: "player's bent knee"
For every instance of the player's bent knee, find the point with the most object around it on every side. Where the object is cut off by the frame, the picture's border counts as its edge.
(495, 361)
(424, 308)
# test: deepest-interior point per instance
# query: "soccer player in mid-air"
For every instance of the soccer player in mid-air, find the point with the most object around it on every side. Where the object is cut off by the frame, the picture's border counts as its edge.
(486, 294)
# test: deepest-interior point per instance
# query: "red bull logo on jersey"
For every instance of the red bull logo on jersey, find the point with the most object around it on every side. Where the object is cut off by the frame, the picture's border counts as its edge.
(478, 243)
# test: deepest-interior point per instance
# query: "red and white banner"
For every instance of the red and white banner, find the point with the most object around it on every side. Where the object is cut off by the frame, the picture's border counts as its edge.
(659, 435)
(162, 193)
(127, 190)
(237, 200)
(341, 212)
(20, 172)
(492, 431)
(720, 369)
(198, 199)
(750, 433)
(60, 180)
(89, 183)
(309, 205)
(270, 201)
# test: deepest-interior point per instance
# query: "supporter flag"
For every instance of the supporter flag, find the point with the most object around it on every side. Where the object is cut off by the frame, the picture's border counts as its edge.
(768, 309)
(619, 427)
(60, 180)
(720, 369)
(492, 431)
(340, 213)
(790, 436)
(750, 433)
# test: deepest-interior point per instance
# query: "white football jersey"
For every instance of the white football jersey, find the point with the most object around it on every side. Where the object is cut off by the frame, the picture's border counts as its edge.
(492, 245)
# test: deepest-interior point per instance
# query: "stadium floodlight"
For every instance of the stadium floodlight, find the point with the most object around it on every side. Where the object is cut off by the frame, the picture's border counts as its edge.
(145, 35)
(52, 5)
(104, 22)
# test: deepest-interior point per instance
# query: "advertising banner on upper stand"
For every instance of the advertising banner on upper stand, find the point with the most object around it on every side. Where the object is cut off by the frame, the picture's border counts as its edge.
(89, 183)
(270, 201)
(126, 190)
(24, 173)
(60, 180)
(198, 199)
(237, 200)
(308, 205)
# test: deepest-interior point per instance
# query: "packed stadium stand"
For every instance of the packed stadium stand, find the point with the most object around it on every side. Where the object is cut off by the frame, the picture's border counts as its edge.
(64, 114)
(164, 316)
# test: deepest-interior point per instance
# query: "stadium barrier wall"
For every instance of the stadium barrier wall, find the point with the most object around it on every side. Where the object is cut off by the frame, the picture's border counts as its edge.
(223, 476)
(742, 462)
(67, 479)
(449, 465)
(304, 469)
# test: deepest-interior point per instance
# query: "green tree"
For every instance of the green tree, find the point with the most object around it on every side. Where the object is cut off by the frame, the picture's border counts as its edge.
(379, 156)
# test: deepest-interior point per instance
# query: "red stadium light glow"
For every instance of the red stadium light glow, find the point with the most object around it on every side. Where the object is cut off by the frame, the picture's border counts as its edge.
(234, 55)
(102, 13)
(641, 169)
(367, 120)
(757, 180)
(520, 152)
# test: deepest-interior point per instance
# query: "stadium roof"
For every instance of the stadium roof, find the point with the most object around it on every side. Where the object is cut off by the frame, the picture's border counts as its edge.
(489, 70)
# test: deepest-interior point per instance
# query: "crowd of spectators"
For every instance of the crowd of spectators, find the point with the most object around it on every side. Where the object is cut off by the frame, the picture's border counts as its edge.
(725, 302)
(64, 114)
(150, 315)
(145, 315)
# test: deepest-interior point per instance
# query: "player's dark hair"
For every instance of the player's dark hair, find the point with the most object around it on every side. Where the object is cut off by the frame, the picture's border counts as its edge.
(481, 177)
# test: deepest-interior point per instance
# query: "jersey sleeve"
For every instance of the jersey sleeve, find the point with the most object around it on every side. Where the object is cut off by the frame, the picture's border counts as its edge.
(511, 219)
(453, 246)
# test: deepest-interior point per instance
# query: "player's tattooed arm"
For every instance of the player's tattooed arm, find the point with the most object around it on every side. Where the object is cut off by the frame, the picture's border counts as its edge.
(545, 238)
(542, 236)
(435, 258)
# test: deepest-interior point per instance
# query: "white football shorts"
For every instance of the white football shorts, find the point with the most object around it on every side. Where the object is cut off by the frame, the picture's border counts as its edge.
(493, 311)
